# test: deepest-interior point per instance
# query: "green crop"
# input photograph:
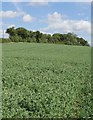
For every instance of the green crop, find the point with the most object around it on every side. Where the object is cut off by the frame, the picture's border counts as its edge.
(46, 80)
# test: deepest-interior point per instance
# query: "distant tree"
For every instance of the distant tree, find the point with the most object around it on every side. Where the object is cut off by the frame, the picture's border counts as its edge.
(48, 37)
(11, 31)
(56, 37)
(38, 36)
(22, 32)
(83, 42)
(23, 35)
(31, 34)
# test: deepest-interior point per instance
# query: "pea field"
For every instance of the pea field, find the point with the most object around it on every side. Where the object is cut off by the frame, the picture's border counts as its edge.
(46, 81)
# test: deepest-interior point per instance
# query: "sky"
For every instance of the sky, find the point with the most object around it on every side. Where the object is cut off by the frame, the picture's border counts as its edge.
(48, 17)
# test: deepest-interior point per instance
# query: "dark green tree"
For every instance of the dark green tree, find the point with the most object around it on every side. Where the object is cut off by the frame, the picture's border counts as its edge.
(22, 32)
(38, 36)
(23, 35)
(11, 31)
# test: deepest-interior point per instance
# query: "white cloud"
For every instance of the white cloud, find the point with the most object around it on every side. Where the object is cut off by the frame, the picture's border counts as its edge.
(27, 18)
(3, 34)
(38, 2)
(10, 14)
(57, 23)
(11, 26)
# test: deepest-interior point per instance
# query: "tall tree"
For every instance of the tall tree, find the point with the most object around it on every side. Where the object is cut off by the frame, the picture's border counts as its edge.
(22, 32)
(38, 36)
(11, 31)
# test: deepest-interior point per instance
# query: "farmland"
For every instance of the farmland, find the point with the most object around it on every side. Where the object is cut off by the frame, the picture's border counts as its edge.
(46, 80)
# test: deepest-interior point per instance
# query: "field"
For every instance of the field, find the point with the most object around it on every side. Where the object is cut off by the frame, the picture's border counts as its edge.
(46, 80)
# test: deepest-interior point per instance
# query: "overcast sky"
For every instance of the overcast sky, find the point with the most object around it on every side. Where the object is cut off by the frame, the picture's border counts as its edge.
(48, 17)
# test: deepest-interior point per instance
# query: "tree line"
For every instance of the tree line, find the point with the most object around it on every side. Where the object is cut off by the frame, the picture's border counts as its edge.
(23, 35)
